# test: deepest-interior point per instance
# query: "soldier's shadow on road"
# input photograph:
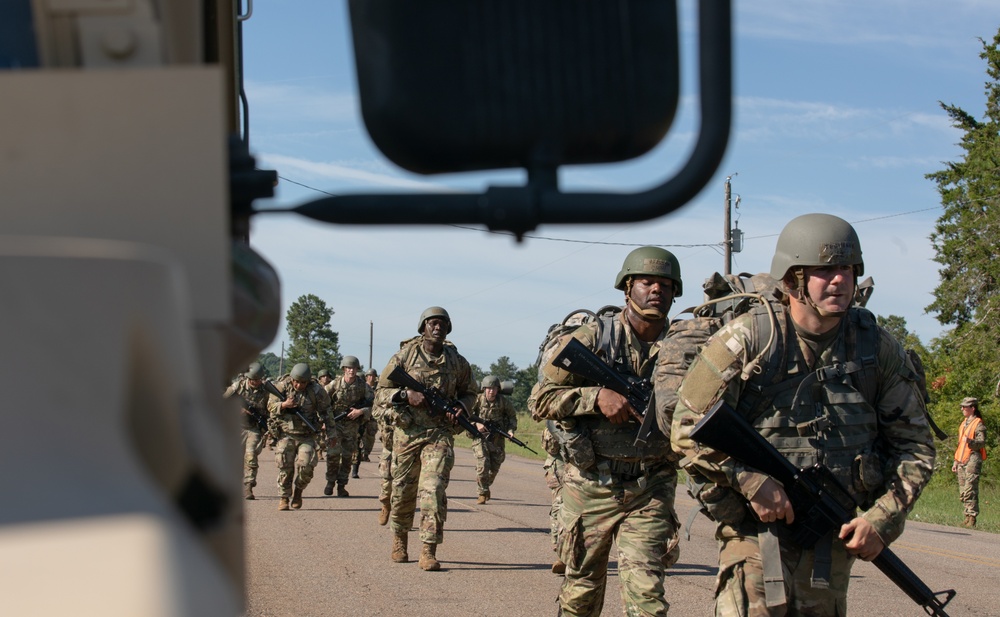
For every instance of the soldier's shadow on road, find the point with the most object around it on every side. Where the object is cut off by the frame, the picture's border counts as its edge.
(480, 565)
(692, 569)
(502, 530)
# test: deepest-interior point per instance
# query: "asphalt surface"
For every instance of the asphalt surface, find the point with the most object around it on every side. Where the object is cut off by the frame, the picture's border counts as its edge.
(332, 558)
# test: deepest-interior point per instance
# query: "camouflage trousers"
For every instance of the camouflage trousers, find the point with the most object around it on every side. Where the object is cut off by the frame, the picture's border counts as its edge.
(385, 465)
(554, 470)
(639, 518)
(490, 455)
(253, 443)
(340, 456)
(295, 456)
(421, 462)
(739, 590)
(968, 484)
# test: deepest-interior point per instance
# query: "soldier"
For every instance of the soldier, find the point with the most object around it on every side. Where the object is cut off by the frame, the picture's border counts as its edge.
(969, 457)
(368, 431)
(295, 455)
(351, 395)
(491, 406)
(323, 377)
(614, 492)
(843, 395)
(381, 415)
(248, 387)
(424, 440)
(323, 439)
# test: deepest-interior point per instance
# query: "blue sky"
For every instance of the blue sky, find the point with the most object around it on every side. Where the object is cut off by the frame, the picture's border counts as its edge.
(836, 110)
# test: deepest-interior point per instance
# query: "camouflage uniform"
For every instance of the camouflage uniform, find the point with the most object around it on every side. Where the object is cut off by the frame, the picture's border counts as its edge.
(617, 493)
(344, 436)
(295, 454)
(968, 470)
(491, 452)
(555, 471)
(254, 439)
(852, 427)
(382, 415)
(423, 449)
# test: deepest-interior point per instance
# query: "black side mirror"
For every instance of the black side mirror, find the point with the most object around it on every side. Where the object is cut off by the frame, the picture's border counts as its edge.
(460, 85)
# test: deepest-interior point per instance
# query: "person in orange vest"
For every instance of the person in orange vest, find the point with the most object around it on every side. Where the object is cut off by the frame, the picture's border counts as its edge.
(969, 457)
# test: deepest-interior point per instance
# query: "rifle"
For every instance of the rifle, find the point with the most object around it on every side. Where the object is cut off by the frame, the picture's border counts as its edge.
(259, 417)
(436, 402)
(821, 504)
(492, 427)
(577, 359)
(273, 389)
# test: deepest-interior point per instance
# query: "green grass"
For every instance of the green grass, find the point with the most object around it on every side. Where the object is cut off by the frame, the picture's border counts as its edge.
(528, 431)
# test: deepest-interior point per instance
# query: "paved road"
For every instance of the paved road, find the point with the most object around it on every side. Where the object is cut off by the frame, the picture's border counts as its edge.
(332, 558)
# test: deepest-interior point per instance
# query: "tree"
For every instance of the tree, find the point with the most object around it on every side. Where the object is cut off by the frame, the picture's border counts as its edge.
(271, 363)
(966, 360)
(503, 369)
(312, 339)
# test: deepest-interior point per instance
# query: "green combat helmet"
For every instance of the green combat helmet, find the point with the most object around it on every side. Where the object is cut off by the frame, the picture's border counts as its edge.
(817, 240)
(322, 373)
(255, 371)
(300, 372)
(653, 261)
(371, 373)
(350, 362)
(434, 311)
(491, 381)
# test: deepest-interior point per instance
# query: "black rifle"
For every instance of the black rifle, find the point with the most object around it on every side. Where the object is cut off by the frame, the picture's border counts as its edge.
(492, 427)
(273, 389)
(436, 401)
(257, 414)
(577, 359)
(821, 504)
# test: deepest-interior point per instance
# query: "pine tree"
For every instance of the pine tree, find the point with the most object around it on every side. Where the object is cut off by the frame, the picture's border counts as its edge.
(312, 339)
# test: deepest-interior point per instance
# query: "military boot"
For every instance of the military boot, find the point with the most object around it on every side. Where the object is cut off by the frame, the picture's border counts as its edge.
(972, 521)
(399, 548)
(248, 491)
(354, 470)
(428, 558)
(283, 504)
(342, 490)
(329, 489)
(383, 515)
(481, 500)
(297, 498)
(558, 567)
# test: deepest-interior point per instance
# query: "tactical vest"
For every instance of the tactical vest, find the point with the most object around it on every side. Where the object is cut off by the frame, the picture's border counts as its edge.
(445, 378)
(354, 394)
(308, 402)
(592, 443)
(823, 416)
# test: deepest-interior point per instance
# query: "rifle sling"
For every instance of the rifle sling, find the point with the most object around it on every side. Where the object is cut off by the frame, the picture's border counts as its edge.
(770, 561)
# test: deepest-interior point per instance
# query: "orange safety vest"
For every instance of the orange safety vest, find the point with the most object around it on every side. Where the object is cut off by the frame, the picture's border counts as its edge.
(966, 432)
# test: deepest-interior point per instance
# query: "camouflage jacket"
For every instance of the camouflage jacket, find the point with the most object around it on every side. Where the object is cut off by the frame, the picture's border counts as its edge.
(347, 396)
(256, 397)
(900, 434)
(500, 410)
(449, 372)
(313, 402)
(571, 401)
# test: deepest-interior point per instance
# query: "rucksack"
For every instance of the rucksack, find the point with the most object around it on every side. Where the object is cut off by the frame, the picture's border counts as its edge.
(726, 297)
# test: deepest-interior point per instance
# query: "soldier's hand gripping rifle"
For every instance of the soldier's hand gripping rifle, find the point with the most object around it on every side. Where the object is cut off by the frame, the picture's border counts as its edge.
(820, 503)
(258, 415)
(576, 358)
(273, 389)
(436, 402)
(493, 428)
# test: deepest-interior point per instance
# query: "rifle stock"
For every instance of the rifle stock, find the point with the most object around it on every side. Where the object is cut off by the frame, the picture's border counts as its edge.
(576, 358)
(436, 401)
(820, 502)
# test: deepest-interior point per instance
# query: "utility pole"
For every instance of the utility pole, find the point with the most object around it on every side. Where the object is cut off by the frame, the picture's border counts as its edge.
(727, 238)
(281, 360)
(371, 338)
